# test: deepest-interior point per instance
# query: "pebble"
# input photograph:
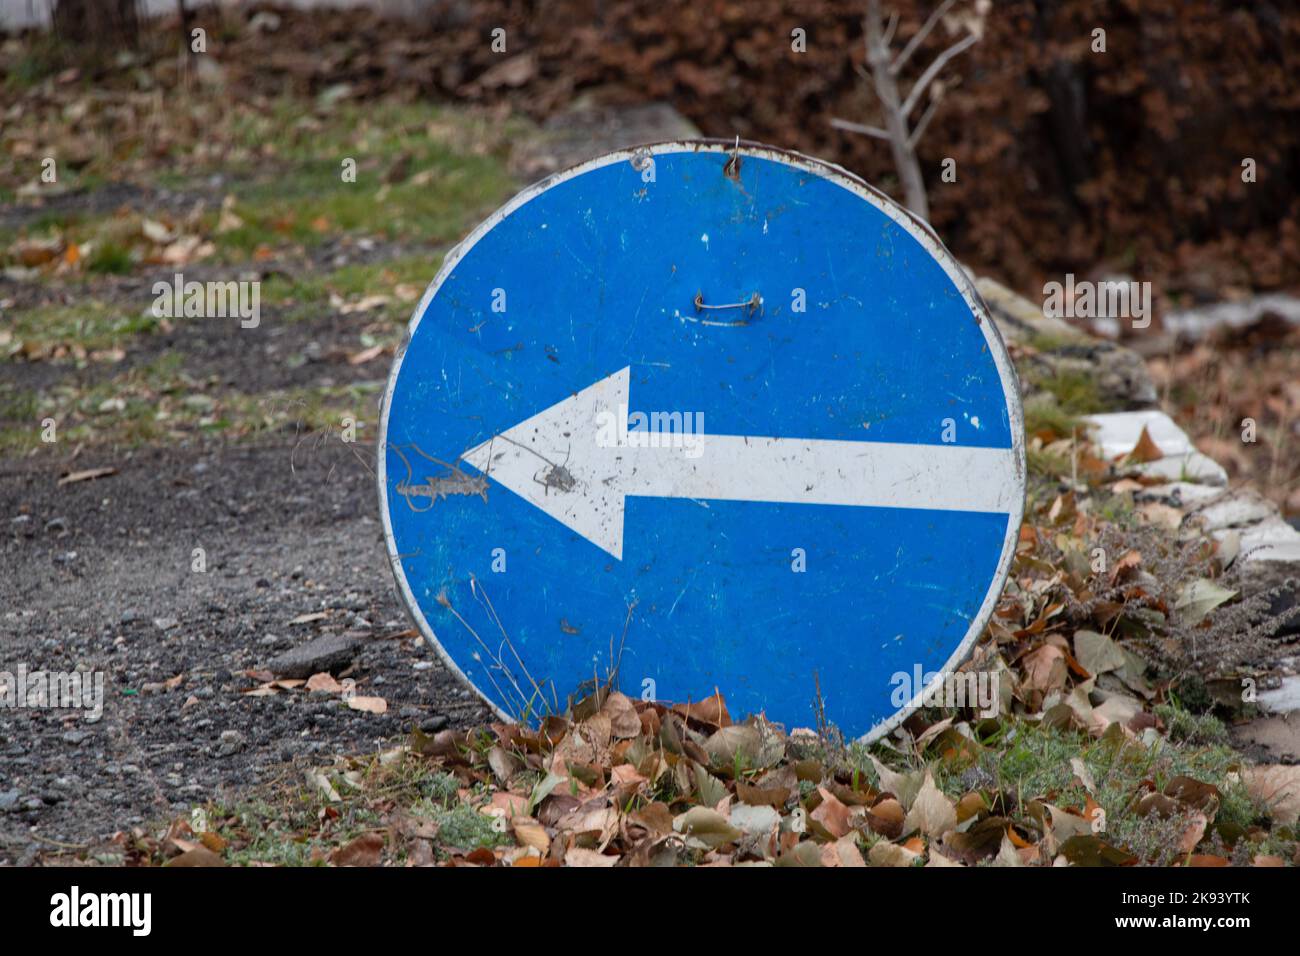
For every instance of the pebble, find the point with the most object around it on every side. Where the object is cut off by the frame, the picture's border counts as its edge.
(230, 743)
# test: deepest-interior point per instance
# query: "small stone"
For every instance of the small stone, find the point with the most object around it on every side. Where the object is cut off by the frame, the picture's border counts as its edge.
(9, 801)
(230, 743)
(329, 653)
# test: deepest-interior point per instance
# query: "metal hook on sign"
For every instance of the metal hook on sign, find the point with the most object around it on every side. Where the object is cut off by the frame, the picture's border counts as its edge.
(732, 169)
(751, 305)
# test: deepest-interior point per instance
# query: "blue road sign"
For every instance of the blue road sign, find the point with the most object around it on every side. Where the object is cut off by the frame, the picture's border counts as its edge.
(707, 417)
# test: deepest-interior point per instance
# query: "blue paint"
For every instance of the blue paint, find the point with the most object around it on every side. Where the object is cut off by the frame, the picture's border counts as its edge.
(600, 272)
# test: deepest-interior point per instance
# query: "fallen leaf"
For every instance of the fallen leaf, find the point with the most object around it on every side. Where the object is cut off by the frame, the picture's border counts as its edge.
(932, 813)
(170, 684)
(904, 786)
(1277, 786)
(1145, 450)
(843, 852)
(624, 722)
(308, 618)
(708, 826)
(711, 710)
(533, 834)
(884, 853)
(197, 856)
(1083, 774)
(832, 814)
(1097, 653)
(325, 683)
(582, 857)
(365, 355)
(1198, 598)
(369, 705)
(365, 850)
(87, 475)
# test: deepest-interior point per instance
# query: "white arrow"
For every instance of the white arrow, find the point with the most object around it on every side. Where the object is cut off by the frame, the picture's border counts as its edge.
(557, 461)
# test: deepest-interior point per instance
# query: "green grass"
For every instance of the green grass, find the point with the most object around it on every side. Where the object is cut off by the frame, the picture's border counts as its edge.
(110, 258)
(1075, 392)
(87, 322)
(413, 181)
(42, 57)
(1044, 413)
(1031, 761)
(307, 296)
(423, 175)
(159, 402)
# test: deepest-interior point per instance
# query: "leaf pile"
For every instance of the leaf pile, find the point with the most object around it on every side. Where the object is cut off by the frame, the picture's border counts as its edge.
(633, 783)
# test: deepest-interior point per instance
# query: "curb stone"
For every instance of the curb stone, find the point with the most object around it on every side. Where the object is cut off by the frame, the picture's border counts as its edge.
(1254, 540)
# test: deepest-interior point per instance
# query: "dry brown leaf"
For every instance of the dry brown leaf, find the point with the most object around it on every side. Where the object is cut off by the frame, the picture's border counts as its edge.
(891, 854)
(365, 850)
(308, 618)
(579, 856)
(365, 355)
(1276, 786)
(623, 719)
(324, 683)
(1145, 450)
(1045, 668)
(533, 834)
(196, 856)
(932, 813)
(711, 711)
(832, 814)
(88, 475)
(843, 852)
(369, 705)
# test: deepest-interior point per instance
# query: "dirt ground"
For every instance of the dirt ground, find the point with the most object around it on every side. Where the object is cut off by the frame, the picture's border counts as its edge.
(98, 575)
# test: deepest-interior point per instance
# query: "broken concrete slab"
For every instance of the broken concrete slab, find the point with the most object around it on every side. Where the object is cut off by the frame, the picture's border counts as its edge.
(1119, 374)
(1190, 467)
(1283, 699)
(328, 653)
(1236, 510)
(1273, 540)
(1117, 433)
(1181, 494)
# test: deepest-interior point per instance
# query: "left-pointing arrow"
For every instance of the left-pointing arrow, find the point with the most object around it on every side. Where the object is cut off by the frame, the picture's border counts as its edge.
(559, 461)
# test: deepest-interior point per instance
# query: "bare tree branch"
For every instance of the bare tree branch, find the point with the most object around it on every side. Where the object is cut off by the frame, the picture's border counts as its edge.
(851, 127)
(881, 71)
(921, 34)
(933, 70)
(922, 123)
(891, 27)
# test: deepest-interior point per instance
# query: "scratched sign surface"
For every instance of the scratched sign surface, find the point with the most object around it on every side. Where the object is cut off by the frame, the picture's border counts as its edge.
(707, 418)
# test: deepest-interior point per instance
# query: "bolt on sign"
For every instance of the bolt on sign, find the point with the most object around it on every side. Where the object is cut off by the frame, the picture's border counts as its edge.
(702, 416)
